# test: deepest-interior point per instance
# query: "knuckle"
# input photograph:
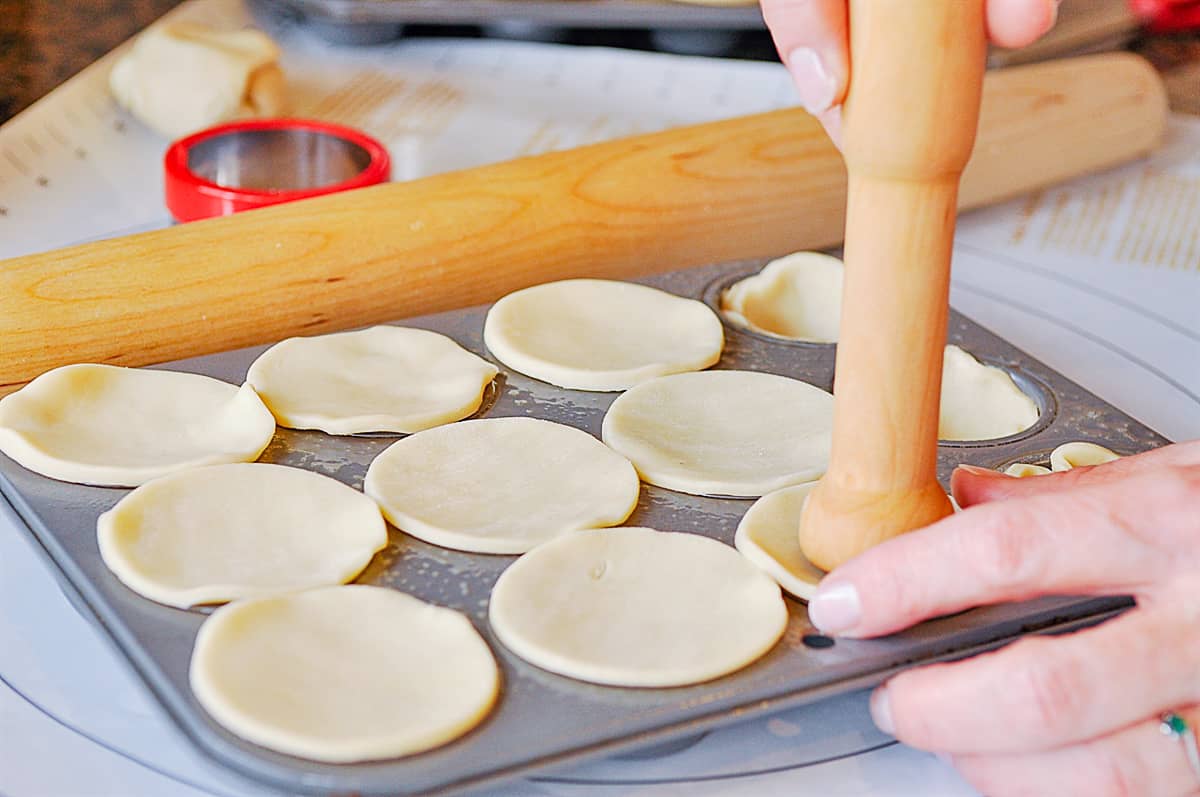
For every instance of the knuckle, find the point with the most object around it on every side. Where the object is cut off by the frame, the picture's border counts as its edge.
(1051, 696)
(1113, 777)
(1006, 552)
(1179, 486)
(1155, 508)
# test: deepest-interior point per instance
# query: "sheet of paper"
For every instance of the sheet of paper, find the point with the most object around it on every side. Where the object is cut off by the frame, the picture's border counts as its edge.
(1100, 279)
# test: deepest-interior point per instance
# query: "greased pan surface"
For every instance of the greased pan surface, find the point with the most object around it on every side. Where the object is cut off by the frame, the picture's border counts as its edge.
(544, 721)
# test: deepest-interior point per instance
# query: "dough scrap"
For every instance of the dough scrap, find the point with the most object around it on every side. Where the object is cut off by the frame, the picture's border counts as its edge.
(797, 297)
(1080, 454)
(1025, 469)
(980, 402)
(602, 335)
(768, 536)
(341, 674)
(181, 77)
(382, 379)
(734, 433)
(637, 607)
(501, 485)
(214, 534)
(121, 427)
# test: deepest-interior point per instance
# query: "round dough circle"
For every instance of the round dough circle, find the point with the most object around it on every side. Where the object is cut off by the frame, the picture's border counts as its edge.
(214, 534)
(121, 427)
(501, 485)
(736, 433)
(797, 297)
(602, 335)
(381, 379)
(769, 536)
(980, 402)
(637, 607)
(342, 674)
(1080, 454)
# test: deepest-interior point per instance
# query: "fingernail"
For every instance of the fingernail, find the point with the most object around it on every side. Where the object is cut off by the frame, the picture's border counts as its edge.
(816, 86)
(1054, 4)
(835, 608)
(881, 711)
(975, 470)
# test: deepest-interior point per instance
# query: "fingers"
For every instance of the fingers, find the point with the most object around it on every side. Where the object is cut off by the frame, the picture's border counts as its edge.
(1139, 760)
(1120, 538)
(1018, 23)
(811, 38)
(978, 485)
(1056, 690)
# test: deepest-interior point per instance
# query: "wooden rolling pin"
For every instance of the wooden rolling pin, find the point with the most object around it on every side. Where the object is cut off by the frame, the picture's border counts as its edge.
(908, 129)
(750, 187)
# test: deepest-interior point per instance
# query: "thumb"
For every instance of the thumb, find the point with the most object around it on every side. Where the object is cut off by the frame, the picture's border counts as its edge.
(812, 42)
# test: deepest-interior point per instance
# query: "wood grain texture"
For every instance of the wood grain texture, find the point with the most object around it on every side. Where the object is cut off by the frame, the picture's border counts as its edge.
(910, 119)
(748, 187)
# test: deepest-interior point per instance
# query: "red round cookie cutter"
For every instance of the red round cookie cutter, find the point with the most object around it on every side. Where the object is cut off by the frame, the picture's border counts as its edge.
(258, 162)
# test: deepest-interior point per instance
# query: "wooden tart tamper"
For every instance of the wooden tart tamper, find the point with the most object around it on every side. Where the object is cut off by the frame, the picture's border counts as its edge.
(909, 126)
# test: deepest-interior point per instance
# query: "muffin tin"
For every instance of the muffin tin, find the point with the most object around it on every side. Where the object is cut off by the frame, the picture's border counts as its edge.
(544, 721)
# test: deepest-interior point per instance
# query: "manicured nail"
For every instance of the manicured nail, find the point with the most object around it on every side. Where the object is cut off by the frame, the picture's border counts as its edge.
(975, 470)
(881, 711)
(835, 608)
(1054, 4)
(816, 86)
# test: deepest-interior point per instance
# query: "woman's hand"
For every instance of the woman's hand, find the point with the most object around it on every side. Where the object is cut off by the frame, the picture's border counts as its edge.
(811, 36)
(1066, 715)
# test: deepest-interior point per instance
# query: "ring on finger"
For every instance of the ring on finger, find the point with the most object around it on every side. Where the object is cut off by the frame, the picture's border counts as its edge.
(1174, 725)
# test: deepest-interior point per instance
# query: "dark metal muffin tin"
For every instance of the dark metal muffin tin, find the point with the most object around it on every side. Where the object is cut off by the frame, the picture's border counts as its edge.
(544, 721)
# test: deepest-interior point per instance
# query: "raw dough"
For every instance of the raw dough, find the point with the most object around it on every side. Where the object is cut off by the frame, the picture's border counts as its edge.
(768, 535)
(209, 535)
(501, 485)
(798, 297)
(1080, 454)
(736, 433)
(382, 379)
(637, 607)
(106, 425)
(343, 674)
(980, 402)
(602, 335)
(181, 77)
(1025, 469)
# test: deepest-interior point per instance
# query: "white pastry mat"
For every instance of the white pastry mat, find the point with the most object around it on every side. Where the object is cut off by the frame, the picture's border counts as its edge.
(1099, 279)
